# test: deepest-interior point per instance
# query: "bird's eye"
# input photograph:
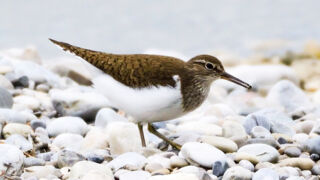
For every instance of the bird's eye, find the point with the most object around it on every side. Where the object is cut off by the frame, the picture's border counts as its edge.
(209, 66)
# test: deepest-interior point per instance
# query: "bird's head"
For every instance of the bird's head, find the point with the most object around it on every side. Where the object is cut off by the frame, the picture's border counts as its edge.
(210, 68)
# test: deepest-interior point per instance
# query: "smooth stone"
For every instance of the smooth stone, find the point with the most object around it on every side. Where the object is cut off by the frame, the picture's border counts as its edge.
(98, 155)
(95, 158)
(88, 102)
(13, 116)
(128, 159)
(237, 172)
(153, 167)
(315, 157)
(32, 161)
(68, 141)
(300, 138)
(41, 138)
(239, 156)
(282, 129)
(234, 131)
(23, 102)
(83, 168)
(302, 163)
(219, 168)
(316, 169)
(268, 141)
(176, 161)
(16, 128)
(67, 125)
(123, 137)
(246, 164)
(43, 88)
(287, 95)
(199, 172)
(41, 172)
(106, 116)
(175, 176)
(20, 142)
(313, 145)
(201, 154)
(139, 175)
(11, 155)
(21, 82)
(305, 126)
(204, 128)
(38, 123)
(260, 132)
(265, 174)
(161, 158)
(253, 120)
(6, 100)
(162, 171)
(285, 172)
(91, 142)
(68, 158)
(292, 151)
(5, 83)
(47, 156)
(224, 144)
(96, 176)
(262, 152)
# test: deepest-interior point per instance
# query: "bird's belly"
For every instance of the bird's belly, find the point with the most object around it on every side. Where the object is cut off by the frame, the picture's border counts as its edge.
(144, 105)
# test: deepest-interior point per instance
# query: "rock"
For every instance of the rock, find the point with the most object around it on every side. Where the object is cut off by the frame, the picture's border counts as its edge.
(313, 145)
(43, 88)
(162, 171)
(161, 158)
(6, 100)
(153, 167)
(67, 125)
(128, 159)
(302, 163)
(316, 169)
(260, 132)
(106, 116)
(224, 144)
(237, 172)
(201, 154)
(300, 138)
(38, 123)
(265, 174)
(123, 137)
(175, 176)
(314, 157)
(20, 142)
(239, 156)
(84, 103)
(91, 142)
(176, 161)
(11, 159)
(246, 164)
(24, 102)
(68, 141)
(16, 128)
(41, 172)
(253, 120)
(219, 168)
(21, 82)
(32, 161)
(285, 172)
(268, 141)
(282, 129)
(234, 131)
(287, 95)
(95, 158)
(45, 156)
(141, 175)
(12, 116)
(204, 128)
(41, 139)
(5, 83)
(292, 151)
(199, 172)
(86, 169)
(68, 158)
(262, 152)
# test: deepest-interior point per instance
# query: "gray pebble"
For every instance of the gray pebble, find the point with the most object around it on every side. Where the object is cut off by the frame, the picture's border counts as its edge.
(19, 141)
(47, 156)
(316, 169)
(32, 161)
(6, 100)
(246, 164)
(219, 167)
(268, 141)
(21, 82)
(38, 123)
(265, 173)
(67, 158)
(253, 120)
(292, 151)
(313, 145)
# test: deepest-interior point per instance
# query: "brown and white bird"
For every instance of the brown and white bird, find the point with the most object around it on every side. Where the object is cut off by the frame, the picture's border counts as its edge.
(153, 88)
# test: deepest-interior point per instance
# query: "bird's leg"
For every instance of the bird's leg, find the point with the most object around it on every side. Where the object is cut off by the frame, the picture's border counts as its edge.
(155, 132)
(143, 141)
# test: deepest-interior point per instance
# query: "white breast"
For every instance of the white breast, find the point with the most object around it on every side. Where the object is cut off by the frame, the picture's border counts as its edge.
(146, 104)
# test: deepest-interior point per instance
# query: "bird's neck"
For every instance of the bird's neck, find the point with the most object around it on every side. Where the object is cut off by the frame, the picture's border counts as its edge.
(195, 90)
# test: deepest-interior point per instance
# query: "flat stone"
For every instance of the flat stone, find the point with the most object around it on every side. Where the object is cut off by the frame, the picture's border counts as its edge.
(81, 170)
(16, 128)
(260, 132)
(6, 100)
(262, 152)
(41, 172)
(237, 172)
(20, 142)
(246, 164)
(176, 161)
(68, 141)
(224, 144)
(139, 175)
(10, 155)
(175, 176)
(201, 154)
(292, 151)
(128, 159)
(67, 125)
(32, 161)
(12, 116)
(68, 158)
(198, 171)
(265, 174)
(302, 163)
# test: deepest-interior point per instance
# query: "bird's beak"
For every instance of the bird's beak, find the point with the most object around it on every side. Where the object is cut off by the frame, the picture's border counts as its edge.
(233, 79)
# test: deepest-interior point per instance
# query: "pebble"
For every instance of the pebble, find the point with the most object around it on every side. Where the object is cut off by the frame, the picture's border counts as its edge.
(219, 168)
(68, 141)
(255, 119)
(201, 154)
(38, 123)
(20, 142)
(106, 116)
(5, 83)
(237, 172)
(263, 152)
(175, 176)
(234, 131)
(292, 151)
(41, 172)
(32, 161)
(224, 144)
(139, 175)
(162, 158)
(16, 128)
(6, 100)
(153, 167)
(12, 156)
(67, 125)
(199, 172)
(246, 164)
(129, 159)
(81, 169)
(21, 82)
(268, 141)
(12, 116)
(260, 132)
(67, 158)
(176, 161)
(265, 174)
(316, 169)
(313, 145)
(302, 163)
(315, 157)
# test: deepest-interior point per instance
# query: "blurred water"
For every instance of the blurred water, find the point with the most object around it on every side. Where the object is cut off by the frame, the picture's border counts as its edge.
(132, 26)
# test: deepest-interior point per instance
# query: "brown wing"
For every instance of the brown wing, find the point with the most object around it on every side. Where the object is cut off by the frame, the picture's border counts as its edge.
(135, 70)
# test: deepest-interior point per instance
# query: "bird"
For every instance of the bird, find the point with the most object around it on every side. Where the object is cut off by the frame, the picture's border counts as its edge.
(154, 88)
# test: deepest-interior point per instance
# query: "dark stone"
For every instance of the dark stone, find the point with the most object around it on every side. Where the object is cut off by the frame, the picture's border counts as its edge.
(21, 82)
(68, 158)
(219, 168)
(282, 140)
(314, 157)
(6, 100)
(96, 158)
(38, 123)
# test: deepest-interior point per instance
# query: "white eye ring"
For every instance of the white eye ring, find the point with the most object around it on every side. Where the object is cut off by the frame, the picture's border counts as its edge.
(209, 66)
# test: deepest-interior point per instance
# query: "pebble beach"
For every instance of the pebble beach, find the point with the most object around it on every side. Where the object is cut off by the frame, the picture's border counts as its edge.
(55, 125)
